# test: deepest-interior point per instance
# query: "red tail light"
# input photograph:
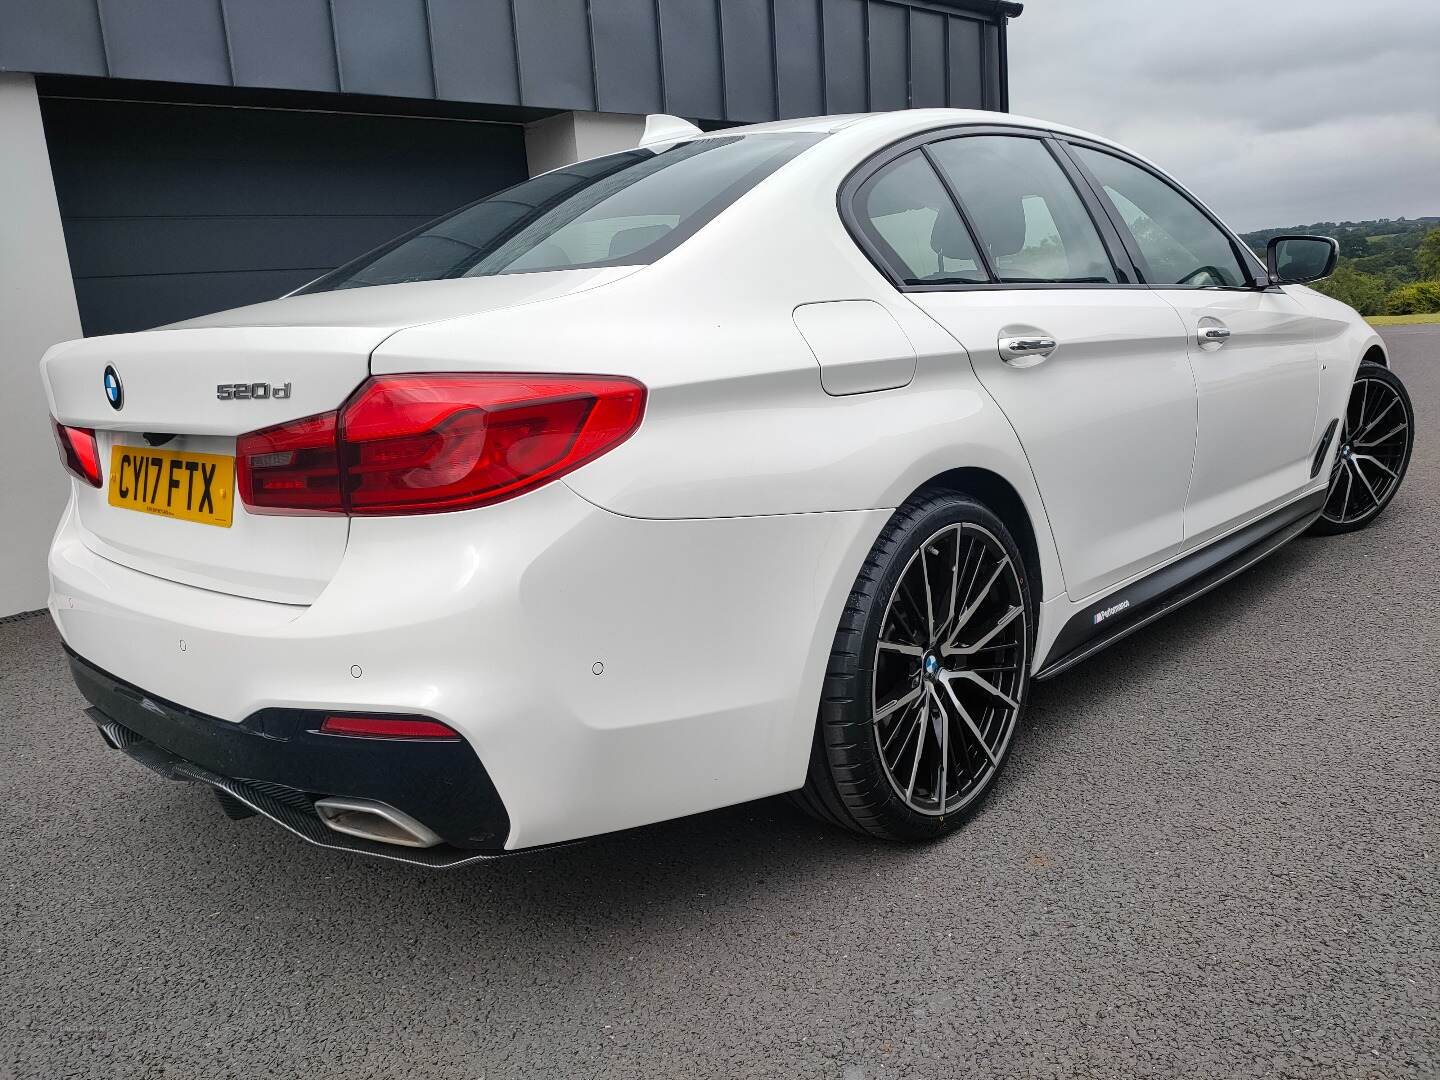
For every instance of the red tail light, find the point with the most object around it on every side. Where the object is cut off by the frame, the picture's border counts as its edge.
(388, 727)
(407, 444)
(291, 466)
(79, 452)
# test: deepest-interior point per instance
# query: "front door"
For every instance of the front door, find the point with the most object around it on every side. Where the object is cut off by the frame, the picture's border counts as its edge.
(1257, 369)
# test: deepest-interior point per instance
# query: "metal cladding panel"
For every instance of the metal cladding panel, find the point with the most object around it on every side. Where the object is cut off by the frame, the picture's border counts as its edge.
(889, 57)
(62, 36)
(846, 64)
(627, 56)
(384, 47)
(801, 67)
(173, 210)
(749, 58)
(690, 45)
(160, 39)
(474, 51)
(966, 44)
(719, 61)
(995, 90)
(552, 40)
(282, 43)
(927, 60)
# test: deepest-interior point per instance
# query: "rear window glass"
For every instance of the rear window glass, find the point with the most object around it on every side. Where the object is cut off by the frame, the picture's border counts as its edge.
(621, 210)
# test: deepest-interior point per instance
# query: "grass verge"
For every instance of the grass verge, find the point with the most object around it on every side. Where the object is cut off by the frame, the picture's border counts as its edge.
(1432, 319)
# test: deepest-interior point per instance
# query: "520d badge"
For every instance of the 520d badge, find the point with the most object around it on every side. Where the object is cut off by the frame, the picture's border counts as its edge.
(251, 391)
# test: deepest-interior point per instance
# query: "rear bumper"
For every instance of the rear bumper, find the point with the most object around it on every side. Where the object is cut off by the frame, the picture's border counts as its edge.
(609, 672)
(277, 763)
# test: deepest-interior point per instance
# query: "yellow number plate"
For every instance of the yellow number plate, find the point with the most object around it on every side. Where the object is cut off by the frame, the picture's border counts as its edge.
(191, 487)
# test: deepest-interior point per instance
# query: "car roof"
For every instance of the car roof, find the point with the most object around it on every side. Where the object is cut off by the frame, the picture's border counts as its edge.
(902, 122)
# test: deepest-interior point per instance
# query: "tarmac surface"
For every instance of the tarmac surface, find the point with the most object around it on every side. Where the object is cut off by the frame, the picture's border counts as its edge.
(1214, 853)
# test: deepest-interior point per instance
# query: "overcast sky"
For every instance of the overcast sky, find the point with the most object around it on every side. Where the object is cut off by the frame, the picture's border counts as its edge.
(1275, 112)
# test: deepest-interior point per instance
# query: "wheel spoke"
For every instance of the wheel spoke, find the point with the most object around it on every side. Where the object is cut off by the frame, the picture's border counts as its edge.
(919, 750)
(1396, 430)
(1376, 462)
(968, 721)
(954, 583)
(961, 572)
(944, 757)
(974, 605)
(970, 650)
(984, 684)
(1368, 487)
(899, 703)
(903, 620)
(900, 725)
(908, 650)
(929, 596)
(1374, 420)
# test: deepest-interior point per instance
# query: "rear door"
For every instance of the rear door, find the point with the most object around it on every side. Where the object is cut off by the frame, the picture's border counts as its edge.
(987, 233)
(1253, 349)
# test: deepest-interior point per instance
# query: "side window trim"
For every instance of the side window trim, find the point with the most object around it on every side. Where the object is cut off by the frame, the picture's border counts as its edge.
(960, 208)
(852, 189)
(1124, 257)
(1237, 249)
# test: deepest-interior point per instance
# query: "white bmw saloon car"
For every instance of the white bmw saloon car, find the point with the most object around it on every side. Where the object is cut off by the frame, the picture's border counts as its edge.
(775, 459)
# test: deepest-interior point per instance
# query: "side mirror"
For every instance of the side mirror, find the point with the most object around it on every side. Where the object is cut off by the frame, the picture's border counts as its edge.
(1295, 260)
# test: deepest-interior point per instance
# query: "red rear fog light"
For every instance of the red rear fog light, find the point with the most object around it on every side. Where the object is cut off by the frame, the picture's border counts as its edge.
(388, 727)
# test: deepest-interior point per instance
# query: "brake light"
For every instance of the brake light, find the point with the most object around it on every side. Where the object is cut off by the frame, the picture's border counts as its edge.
(79, 452)
(407, 444)
(292, 466)
(387, 727)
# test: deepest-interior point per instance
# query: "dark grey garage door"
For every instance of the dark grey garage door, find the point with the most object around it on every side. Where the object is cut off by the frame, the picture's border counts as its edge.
(172, 211)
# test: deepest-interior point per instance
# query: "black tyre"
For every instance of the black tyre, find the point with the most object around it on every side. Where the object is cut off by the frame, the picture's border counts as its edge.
(1377, 434)
(928, 676)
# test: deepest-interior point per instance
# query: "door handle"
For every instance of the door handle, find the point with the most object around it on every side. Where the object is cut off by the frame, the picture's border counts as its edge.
(1214, 335)
(1033, 349)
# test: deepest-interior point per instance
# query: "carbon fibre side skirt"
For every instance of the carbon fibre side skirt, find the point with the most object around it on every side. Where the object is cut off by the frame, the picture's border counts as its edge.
(1140, 603)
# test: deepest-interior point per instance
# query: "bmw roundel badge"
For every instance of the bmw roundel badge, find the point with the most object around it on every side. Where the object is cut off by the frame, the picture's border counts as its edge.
(114, 388)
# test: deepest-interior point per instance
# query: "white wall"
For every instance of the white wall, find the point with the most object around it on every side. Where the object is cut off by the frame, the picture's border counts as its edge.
(575, 136)
(37, 309)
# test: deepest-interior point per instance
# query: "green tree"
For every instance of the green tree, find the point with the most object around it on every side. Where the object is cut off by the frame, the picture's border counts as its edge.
(1427, 256)
(1417, 298)
(1364, 292)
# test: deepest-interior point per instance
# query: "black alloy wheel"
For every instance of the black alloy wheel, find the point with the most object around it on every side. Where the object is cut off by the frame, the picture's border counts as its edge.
(928, 677)
(1377, 435)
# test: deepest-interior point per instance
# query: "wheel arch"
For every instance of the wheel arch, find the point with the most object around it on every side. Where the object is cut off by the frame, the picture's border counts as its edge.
(1376, 355)
(1000, 496)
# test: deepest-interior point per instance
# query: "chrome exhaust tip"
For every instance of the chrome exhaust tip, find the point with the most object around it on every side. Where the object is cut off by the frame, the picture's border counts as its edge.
(371, 820)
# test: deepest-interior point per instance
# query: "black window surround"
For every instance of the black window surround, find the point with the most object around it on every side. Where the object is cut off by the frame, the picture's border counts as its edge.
(1114, 232)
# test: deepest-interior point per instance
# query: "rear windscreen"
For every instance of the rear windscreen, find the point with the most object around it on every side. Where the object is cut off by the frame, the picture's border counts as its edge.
(621, 210)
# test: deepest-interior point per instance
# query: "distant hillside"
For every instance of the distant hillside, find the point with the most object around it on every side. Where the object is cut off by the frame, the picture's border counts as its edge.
(1391, 265)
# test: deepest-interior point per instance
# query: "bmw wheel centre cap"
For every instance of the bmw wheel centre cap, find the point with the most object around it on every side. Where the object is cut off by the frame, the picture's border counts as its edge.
(114, 388)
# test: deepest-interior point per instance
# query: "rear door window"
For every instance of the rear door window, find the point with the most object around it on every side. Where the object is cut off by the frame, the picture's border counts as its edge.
(1032, 221)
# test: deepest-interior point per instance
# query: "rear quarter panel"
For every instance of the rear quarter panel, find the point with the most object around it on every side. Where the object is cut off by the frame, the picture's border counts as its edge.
(738, 422)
